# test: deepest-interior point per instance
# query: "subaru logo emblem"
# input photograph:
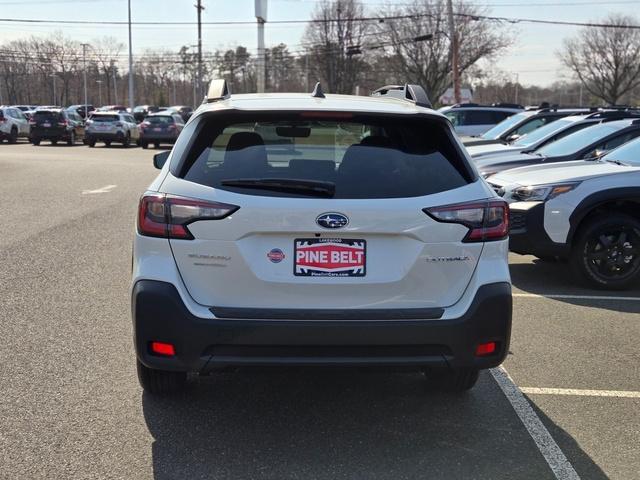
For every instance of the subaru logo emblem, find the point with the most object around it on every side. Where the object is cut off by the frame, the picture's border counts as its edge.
(332, 220)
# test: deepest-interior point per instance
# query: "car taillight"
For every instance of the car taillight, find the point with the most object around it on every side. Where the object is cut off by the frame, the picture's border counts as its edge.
(62, 123)
(486, 220)
(2, 120)
(32, 122)
(167, 216)
(171, 127)
(144, 125)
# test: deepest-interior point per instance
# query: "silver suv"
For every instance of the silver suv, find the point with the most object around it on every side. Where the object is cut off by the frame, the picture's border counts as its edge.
(108, 127)
(13, 124)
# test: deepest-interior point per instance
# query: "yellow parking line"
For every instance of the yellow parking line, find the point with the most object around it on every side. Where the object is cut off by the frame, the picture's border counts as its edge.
(579, 392)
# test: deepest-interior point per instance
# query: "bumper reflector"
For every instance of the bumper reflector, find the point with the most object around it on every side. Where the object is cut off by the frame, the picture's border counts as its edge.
(164, 349)
(485, 349)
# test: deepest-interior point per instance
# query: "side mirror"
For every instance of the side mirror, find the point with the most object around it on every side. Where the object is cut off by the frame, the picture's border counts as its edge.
(159, 159)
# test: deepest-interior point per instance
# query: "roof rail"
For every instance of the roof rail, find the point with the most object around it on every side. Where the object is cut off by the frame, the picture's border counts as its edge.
(410, 92)
(218, 90)
(614, 114)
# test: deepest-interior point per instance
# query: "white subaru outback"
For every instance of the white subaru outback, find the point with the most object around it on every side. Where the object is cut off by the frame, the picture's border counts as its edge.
(304, 229)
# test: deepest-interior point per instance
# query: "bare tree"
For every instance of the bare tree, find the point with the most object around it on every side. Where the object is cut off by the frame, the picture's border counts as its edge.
(606, 59)
(105, 52)
(428, 62)
(337, 27)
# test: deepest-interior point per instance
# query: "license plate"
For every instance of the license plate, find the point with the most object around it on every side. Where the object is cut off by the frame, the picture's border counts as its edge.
(157, 129)
(46, 124)
(330, 257)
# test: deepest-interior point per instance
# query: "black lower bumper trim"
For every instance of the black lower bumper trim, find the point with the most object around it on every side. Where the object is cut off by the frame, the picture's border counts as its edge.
(327, 314)
(160, 315)
(528, 236)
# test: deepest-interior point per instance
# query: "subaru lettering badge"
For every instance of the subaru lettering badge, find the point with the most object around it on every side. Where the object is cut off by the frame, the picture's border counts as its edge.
(332, 220)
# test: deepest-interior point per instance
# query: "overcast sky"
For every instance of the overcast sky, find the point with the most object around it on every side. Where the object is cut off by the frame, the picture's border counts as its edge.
(531, 57)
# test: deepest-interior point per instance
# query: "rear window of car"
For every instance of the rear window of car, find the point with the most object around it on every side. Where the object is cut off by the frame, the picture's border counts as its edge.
(160, 120)
(46, 115)
(105, 118)
(369, 158)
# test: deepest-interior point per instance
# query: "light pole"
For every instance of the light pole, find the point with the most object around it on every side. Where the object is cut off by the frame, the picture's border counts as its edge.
(84, 68)
(130, 62)
(53, 76)
(261, 17)
(199, 7)
(115, 83)
(99, 82)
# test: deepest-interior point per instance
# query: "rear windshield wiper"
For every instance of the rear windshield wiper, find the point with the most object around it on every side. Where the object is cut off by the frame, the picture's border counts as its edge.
(291, 185)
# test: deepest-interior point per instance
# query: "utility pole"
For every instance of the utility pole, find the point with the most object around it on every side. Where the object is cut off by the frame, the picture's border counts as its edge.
(200, 8)
(261, 17)
(517, 85)
(454, 53)
(115, 84)
(99, 82)
(131, 73)
(53, 76)
(84, 64)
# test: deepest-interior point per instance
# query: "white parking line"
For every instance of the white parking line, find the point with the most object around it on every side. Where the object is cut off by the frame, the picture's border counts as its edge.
(576, 297)
(560, 466)
(105, 189)
(579, 392)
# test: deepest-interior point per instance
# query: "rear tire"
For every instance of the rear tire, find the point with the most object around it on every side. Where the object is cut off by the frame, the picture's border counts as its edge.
(72, 139)
(160, 382)
(35, 142)
(91, 143)
(606, 253)
(127, 141)
(156, 145)
(454, 381)
(13, 136)
(144, 145)
(54, 141)
(107, 143)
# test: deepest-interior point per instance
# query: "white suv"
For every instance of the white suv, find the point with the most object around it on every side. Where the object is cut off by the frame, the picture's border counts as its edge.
(304, 229)
(13, 124)
(108, 127)
(584, 211)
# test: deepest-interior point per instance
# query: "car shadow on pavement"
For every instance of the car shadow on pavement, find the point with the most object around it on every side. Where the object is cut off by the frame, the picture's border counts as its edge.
(556, 278)
(331, 425)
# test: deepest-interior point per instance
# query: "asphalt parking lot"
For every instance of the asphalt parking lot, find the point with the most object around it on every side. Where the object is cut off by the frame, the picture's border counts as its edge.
(565, 405)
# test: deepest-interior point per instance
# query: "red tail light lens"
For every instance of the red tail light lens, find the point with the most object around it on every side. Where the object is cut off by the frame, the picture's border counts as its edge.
(164, 349)
(485, 349)
(486, 220)
(167, 216)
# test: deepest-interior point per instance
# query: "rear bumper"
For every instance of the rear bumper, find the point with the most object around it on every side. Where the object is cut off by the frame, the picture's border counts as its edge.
(50, 134)
(528, 236)
(160, 137)
(102, 136)
(204, 344)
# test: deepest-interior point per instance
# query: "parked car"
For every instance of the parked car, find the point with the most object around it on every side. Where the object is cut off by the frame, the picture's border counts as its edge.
(110, 127)
(584, 211)
(141, 111)
(386, 250)
(56, 125)
(112, 108)
(549, 133)
(583, 144)
(472, 119)
(183, 110)
(520, 124)
(13, 124)
(159, 128)
(79, 109)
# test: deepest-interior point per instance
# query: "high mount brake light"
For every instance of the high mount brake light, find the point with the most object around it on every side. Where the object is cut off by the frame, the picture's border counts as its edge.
(487, 220)
(167, 216)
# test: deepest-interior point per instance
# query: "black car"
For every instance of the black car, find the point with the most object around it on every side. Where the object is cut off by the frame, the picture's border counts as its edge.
(589, 142)
(141, 111)
(160, 128)
(183, 110)
(79, 109)
(521, 124)
(56, 125)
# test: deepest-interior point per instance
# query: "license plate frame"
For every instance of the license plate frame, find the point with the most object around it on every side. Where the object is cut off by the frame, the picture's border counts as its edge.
(330, 257)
